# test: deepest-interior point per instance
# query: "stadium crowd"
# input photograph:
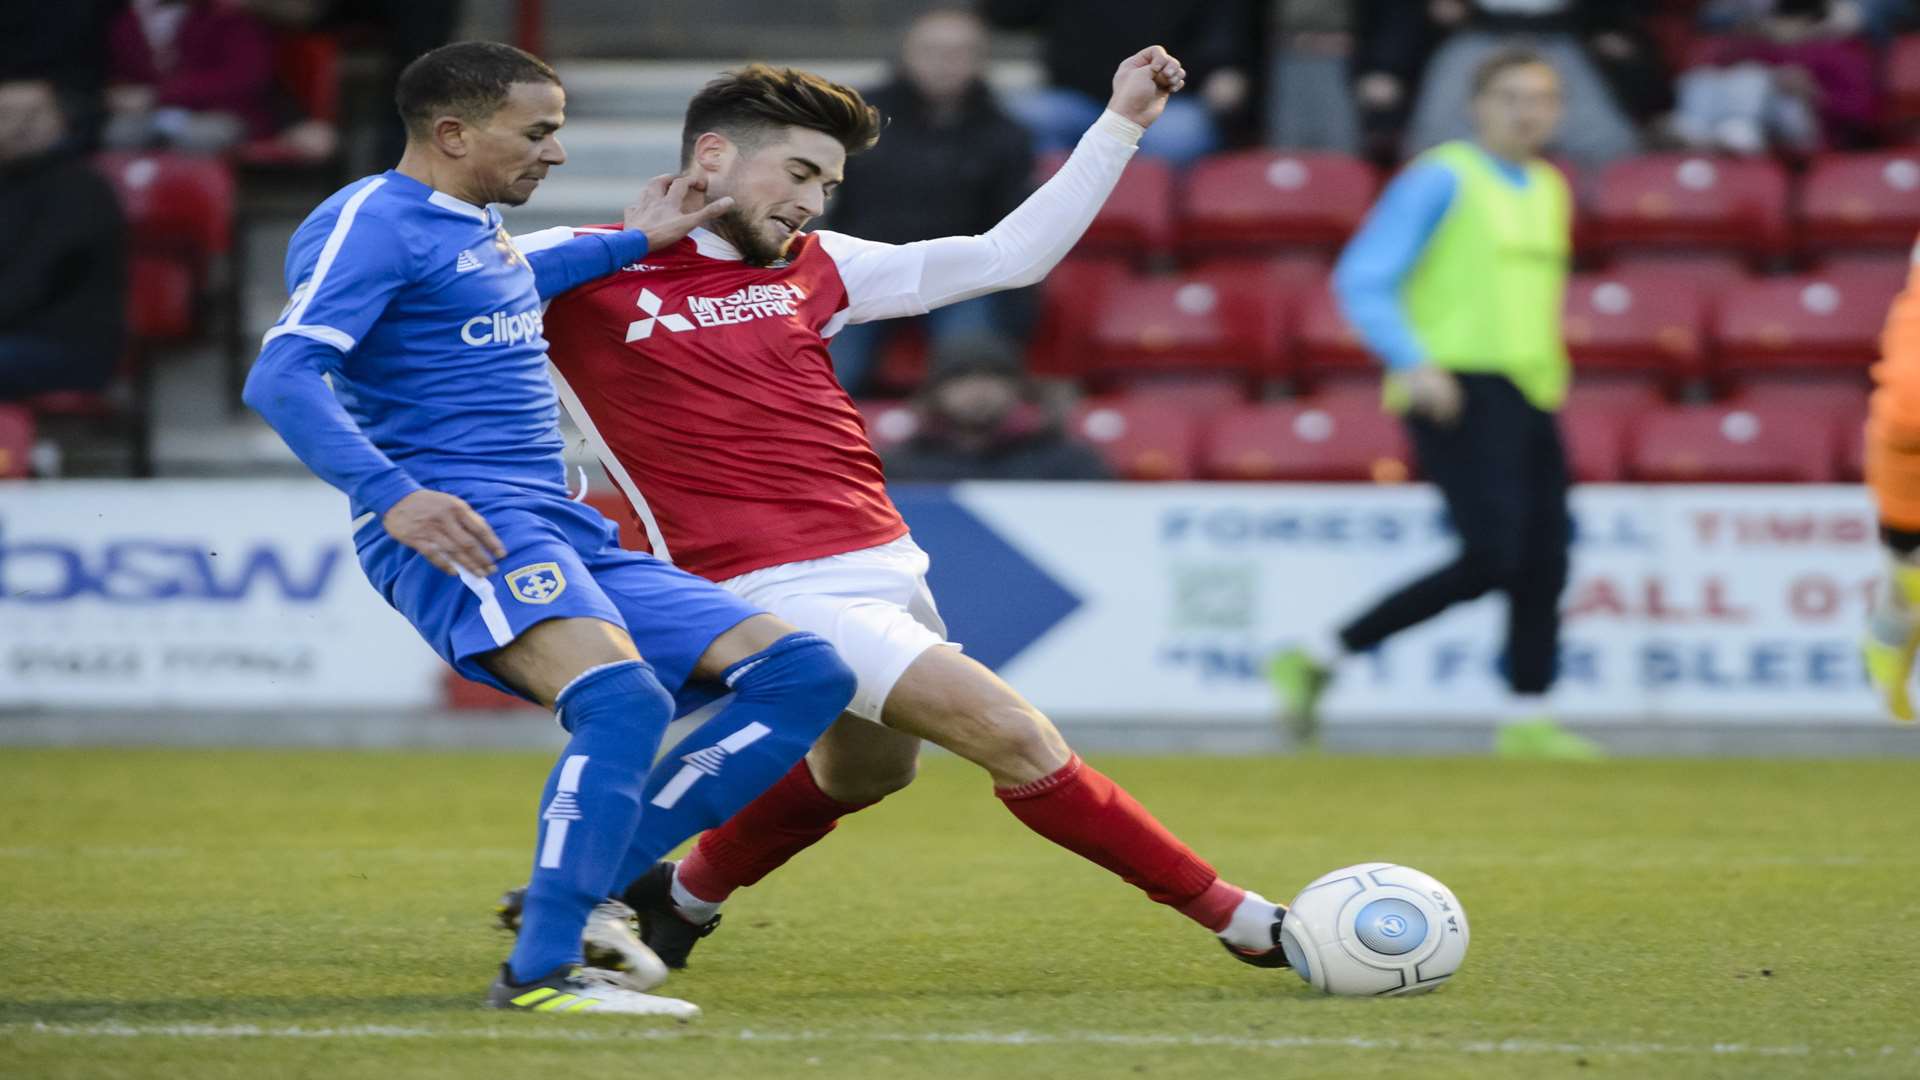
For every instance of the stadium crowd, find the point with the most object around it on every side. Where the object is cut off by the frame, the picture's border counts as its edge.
(1746, 186)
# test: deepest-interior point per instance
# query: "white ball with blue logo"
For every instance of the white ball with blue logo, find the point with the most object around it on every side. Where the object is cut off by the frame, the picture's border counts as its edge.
(1375, 929)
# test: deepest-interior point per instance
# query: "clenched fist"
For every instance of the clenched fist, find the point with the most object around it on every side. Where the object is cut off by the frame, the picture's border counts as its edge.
(1141, 86)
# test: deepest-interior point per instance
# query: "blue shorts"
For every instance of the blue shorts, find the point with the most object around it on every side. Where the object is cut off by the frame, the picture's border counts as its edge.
(564, 561)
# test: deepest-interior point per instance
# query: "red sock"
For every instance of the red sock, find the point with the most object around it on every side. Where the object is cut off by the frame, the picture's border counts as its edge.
(1093, 817)
(785, 820)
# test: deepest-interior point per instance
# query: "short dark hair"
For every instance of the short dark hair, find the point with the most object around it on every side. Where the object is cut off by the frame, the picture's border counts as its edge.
(1504, 60)
(469, 79)
(748, 104)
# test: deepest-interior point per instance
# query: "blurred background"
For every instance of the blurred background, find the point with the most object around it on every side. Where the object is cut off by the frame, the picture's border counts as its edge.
(1137, 479)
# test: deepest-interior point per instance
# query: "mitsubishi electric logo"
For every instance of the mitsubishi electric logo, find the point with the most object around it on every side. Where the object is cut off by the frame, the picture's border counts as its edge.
(745, 304)
(642, 329)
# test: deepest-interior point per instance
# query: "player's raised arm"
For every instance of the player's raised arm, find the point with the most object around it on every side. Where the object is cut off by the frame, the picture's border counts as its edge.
(667, 209)
(885, 281)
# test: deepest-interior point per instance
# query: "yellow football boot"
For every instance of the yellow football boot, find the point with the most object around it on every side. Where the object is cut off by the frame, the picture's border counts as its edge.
(1890, 663)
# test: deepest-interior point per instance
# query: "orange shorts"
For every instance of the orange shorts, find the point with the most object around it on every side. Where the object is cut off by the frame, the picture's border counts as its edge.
(1893, 414)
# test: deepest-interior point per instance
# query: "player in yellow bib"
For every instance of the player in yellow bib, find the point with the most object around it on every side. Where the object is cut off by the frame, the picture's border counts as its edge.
(1455, 282)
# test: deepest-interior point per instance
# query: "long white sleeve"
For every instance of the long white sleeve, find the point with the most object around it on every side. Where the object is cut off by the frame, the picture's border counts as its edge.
(885, 281)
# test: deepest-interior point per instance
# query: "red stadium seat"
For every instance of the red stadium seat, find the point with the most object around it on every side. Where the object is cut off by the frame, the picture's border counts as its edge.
(182, 206)
(16, 441)
(176, 203)
(1136, 221)
(1620, 321)
(1731, 444)
(1853, 453)
(1843, 397)
(1840, 402)
(1804, 322)
(1140, 439)
(1691, 201)
(1258, 200)
(1861, 201)
(309, 70)
(159, 298)
(1328, 344)
(1070, 300)
(1901, 73)
(1709, 274)
(1288, 272)
(1199, 396)
(1596, 440)
(1333, 437)
(1189, 325)
(1884, 263)
(1625, 394)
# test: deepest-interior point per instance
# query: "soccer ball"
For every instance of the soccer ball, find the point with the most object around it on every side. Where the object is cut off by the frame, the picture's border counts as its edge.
(1373, 929)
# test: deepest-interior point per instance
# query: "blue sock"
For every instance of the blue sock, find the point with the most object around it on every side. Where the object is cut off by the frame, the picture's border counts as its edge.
(785, 697)
(616, 715)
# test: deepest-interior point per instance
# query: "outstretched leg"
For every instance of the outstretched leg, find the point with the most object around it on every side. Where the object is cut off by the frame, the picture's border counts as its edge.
(952, 701)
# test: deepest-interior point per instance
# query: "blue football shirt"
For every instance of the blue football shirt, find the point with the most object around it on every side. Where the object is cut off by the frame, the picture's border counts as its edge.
(436, 350)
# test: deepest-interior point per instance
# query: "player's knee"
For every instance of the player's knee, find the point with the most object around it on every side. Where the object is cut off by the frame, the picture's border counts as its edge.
(803, 672)
(1018, 740)
(627, 694)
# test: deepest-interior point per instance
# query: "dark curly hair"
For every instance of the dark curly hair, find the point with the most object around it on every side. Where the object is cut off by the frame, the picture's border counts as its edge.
(752, 103)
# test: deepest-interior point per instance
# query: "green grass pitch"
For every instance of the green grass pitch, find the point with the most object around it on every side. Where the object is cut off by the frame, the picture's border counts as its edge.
(247, 914)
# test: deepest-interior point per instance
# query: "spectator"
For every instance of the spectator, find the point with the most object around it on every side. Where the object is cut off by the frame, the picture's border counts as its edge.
(192, 74)
(62, 284)
(1791, 76)
(1083, 39)
(979, 421)
(1393, 41)
(65, 43)
(951, 163)
(1596, 129)
(1310, 103)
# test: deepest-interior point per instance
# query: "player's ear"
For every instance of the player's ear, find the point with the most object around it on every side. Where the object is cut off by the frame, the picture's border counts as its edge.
(713, 152)
(450, 135)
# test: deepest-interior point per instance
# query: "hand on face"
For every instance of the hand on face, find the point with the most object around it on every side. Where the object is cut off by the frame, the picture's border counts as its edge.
(670, 207)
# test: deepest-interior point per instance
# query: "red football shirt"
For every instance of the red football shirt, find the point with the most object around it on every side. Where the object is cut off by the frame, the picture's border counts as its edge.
(705, 386)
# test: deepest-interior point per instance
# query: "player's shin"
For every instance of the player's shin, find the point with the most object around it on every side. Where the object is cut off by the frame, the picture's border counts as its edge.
(1080, 809)
(588, 813)
(785, 697)
(786, 819)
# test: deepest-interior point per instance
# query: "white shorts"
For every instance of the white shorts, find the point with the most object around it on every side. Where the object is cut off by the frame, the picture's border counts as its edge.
(872, 605)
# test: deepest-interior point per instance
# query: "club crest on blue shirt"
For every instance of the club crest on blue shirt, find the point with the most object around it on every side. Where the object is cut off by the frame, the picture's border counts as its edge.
(507, 251)
(537, 583)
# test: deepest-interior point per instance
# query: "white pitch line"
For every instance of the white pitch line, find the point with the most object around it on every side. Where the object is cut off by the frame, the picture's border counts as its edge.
(114, 1029)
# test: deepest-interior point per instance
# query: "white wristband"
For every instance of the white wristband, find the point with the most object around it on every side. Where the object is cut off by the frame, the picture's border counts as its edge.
(1119, 127)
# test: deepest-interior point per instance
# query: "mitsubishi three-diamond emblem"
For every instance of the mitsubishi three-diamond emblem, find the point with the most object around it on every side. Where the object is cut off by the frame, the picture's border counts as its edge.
(643, 328)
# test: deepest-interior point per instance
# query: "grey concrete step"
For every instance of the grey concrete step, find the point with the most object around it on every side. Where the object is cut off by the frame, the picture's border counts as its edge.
(619, 148)
(575, 200)
(659, 89)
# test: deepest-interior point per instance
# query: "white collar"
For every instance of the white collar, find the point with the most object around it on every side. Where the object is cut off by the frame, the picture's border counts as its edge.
(708, 243)
(460, 206)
